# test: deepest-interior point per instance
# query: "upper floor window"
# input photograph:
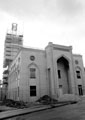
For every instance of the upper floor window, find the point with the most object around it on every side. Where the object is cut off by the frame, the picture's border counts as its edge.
(8, 41)
(32, 73)
(8, 51)
(78, 74)
(8, 47)
(76, 62)
(32, 57)
(8, 55)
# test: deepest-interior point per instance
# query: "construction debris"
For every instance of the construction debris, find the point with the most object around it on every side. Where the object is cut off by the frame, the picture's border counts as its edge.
(44, 100)
(47, 100)
(12, 103)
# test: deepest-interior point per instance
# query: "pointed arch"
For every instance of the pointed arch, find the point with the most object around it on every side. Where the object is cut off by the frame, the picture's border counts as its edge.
(33, 64)
(78, 68)
(65, 57)
(63, 74)
(64, 61)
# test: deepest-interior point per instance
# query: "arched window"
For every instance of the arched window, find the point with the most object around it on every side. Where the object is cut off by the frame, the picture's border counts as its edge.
(32, 73)
(78, 73)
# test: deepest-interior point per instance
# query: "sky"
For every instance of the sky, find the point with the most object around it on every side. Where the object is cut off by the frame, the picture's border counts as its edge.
(42, 21)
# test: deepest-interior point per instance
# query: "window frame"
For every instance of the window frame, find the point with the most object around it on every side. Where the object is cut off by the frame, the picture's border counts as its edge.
(59, 74)
(33, 92)
(78, 74)
(32, 73)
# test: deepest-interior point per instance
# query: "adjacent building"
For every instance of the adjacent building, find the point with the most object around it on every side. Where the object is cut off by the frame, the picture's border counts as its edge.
(13, 43)
(1, 90)
(53, 71)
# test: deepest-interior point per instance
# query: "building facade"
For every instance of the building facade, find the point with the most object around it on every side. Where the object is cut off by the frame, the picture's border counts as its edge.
(54, 71)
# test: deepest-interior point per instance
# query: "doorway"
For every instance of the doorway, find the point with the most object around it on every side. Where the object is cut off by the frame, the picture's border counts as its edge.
(63, 75)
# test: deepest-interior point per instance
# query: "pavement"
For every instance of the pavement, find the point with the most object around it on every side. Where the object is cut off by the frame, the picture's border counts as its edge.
(12, 113)
(66, 112)
(5, 108)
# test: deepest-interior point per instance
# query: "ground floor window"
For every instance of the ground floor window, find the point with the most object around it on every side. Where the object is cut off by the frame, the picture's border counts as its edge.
(32, 90)
(60, 86)
(80, 90)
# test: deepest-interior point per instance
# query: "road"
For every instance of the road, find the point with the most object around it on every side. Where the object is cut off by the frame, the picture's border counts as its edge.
(68, 112)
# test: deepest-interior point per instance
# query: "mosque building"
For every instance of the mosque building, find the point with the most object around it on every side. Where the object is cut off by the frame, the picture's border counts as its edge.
(54, 71)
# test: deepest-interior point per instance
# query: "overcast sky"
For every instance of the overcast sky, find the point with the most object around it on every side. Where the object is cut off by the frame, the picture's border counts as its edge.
(42, 21)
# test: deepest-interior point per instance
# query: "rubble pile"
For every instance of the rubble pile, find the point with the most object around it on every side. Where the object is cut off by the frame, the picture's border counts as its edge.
(47, 100)
(44, 100)
(12, 103)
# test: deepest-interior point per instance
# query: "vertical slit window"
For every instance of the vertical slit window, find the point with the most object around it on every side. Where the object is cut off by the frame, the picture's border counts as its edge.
(59, 74)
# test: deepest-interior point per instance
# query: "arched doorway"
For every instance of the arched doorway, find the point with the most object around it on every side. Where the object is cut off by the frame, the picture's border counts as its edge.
(63, 75)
